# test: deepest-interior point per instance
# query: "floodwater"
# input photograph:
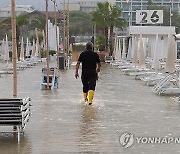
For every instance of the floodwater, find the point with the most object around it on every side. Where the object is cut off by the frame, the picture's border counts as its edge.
(62, 123)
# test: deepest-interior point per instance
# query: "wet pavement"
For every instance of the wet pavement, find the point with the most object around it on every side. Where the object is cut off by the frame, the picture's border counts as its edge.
(62, 123)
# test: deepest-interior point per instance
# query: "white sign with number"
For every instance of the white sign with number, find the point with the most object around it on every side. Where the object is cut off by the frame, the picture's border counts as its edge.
(149, 16)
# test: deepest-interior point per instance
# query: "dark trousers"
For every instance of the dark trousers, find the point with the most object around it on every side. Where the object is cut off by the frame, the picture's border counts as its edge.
(88, 79)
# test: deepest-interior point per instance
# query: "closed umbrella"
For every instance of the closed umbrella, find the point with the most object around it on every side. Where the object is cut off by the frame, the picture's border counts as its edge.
(134, 47)
(33, 49)
(27, 48)
(22, 50)
(119, 55)
(6, 50)
(2, 49)
(156, 62)
(37, 49)
(171, 55)
(141, 54)
(129, 55)
(115, 46)
(124, 49)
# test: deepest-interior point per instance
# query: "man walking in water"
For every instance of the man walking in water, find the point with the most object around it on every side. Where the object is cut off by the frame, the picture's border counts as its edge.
(90, 68)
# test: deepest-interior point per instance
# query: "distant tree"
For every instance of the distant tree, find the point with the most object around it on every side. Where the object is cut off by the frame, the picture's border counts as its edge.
(115, 21)
(100, 18)
(21, 20)
(79, 23)
(108, 17)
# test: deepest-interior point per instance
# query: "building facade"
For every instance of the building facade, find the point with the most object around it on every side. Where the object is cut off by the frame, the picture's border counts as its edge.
(85, 6)
(20, 9)
(128, 6)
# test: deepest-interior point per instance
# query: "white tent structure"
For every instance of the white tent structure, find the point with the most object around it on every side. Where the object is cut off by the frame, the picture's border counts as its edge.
(157, 37)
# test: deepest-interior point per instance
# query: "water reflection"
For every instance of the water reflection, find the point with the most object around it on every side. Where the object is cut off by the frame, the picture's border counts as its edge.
(89, 136)
(10, 145)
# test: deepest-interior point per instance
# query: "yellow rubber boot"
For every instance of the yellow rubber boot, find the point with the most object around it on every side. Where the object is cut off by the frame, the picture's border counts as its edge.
(91, 96)
(85, 97)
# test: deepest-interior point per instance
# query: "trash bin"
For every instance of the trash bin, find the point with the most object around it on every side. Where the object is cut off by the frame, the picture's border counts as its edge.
(62, 59)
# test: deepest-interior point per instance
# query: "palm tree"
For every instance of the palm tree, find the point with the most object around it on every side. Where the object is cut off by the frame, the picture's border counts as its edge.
(100, 18)
(115, 21)
(107, 16)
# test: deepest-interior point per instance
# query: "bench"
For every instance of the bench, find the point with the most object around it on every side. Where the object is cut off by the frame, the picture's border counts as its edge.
(15, 112)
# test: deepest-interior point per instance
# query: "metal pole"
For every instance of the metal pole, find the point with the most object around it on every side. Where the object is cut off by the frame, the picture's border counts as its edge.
(14, 49)
(141, 9)
(47, 45)
(68, 27)
(57, 45)
(170, 12)
(64, 27)
(131, 14)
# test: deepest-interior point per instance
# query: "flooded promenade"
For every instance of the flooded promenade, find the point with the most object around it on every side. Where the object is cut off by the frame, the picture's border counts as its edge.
(61, 123)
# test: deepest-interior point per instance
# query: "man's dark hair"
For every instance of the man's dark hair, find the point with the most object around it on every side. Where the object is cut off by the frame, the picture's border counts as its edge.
(89, 46)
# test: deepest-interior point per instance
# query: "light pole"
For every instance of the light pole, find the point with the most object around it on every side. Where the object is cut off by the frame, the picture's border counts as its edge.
(14, 48)
(47, 45)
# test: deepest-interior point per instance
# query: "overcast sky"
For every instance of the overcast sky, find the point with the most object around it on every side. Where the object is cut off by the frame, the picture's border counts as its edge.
(38, 4)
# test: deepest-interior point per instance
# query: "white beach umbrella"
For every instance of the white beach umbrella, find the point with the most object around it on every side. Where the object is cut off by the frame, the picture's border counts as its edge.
(156, 62)
(119, 55)
(27, 48)
(171, 55)
(141, 54)
(135, 49)
(2, 49)
(6, 50)
(44, 37)
(115, 46)
(37, 49)
(22, 50)
(129, 55)
(124, 49)
(33, 49)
